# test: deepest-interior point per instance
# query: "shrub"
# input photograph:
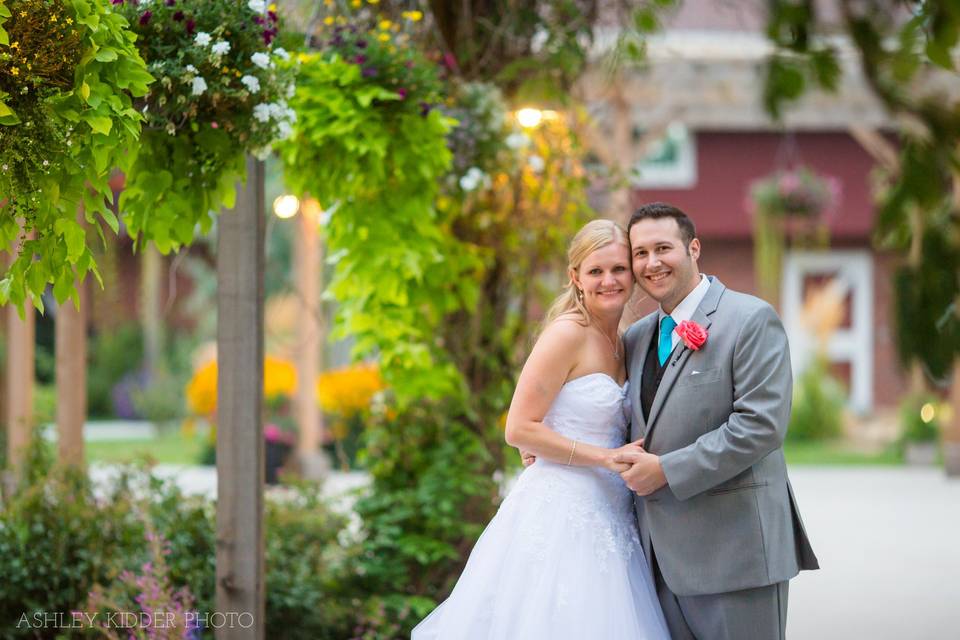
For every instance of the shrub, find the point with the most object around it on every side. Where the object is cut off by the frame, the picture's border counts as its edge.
(918, 419)
(113, 354)
(818, 402)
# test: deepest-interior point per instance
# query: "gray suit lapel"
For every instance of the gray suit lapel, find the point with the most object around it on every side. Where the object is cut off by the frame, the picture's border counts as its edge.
(676, 363)
(637, 360)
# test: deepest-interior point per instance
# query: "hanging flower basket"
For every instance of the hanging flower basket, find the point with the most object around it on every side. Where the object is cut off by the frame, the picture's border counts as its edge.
(68, 75)
(221, 94)
(797, 192)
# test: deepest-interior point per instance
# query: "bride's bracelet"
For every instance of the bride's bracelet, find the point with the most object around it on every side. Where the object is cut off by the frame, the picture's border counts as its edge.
(572, 451)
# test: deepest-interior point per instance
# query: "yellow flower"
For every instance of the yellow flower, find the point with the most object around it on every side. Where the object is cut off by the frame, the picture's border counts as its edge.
(328, 20)
(385, 24)
(356, 4)
(328, 3)
(237, 73)
(279, 379)
(383, 37)
(272, 7)
(348, 391)
(53, 18)
(374, 1)
(15, 45)
(224, 70)
(69, 20)
(415, 16)
(15, 71)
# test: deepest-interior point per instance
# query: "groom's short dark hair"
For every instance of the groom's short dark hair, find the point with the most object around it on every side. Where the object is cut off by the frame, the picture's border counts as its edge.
(657, 210)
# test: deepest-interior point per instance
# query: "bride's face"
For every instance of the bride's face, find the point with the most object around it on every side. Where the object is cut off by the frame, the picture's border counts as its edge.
(606, 279)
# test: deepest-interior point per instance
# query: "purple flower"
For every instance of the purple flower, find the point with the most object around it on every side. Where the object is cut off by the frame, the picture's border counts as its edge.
(361, 44)
(117, 1)
(425, 109)
(361, 59)
(191, 26)
(259, 19)
(336, 42)
(369, 72)
(170, 3)
(402, 93)
(269, 35)
(145, 18)
(178, 16)
(272, 15)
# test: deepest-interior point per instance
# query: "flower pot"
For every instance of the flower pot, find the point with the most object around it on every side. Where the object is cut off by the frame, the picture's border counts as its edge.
(921, 453)
(275, 457)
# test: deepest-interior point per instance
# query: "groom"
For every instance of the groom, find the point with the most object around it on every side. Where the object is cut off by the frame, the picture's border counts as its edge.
(718, 519)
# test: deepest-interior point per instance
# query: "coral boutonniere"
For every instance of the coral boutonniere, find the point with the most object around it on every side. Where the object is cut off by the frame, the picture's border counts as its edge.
(693, 335)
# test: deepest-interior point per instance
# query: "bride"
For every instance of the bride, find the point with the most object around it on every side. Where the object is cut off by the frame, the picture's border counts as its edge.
(562, 558)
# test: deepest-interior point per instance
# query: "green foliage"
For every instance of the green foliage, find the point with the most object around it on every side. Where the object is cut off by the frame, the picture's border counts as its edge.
(373, 159)
(914, 427)
(818, 401)
(307, 570)
(927, 325)
(220, 94)
(59, 541)
(56, 540)
(112, 355)
(85, 129)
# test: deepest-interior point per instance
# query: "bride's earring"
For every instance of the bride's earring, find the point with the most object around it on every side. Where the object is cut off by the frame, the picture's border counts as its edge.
(580, 295)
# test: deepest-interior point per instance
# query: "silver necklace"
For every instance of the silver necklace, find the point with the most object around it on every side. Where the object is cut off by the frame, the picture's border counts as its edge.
(614, 347)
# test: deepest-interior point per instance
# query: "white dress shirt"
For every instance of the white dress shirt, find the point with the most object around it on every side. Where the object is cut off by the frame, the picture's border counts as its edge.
(684, 310)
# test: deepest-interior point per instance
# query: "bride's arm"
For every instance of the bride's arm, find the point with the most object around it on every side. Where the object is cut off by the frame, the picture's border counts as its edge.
(553, 357)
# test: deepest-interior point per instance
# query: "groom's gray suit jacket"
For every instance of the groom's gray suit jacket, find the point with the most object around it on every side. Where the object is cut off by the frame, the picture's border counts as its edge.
(727, 519)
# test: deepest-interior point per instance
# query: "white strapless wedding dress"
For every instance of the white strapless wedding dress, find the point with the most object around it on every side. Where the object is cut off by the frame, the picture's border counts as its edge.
(562, 558)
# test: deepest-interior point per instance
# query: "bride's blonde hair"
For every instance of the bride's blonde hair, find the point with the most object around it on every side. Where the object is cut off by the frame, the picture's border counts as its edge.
(594, 235)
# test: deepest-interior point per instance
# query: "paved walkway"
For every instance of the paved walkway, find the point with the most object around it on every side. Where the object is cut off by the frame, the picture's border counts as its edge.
(888, 540)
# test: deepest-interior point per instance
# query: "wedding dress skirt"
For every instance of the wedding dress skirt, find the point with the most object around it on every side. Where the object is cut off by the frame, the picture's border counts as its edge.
(562, 557)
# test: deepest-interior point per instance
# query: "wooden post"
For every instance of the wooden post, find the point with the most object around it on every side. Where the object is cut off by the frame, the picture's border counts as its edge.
(71, 349)
(240, 447)
(20, 375)
(151, 264)
(309, 341)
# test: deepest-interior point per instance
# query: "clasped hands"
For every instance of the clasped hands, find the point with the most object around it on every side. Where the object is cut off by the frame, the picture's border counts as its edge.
(641, 470)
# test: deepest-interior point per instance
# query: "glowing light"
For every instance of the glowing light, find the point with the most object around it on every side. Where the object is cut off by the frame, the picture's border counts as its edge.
(286, 206)
(927, 413)
(529, 117)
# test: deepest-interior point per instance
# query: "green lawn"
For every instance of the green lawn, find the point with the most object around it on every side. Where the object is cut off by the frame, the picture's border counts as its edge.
(838, 453)
(169, 447)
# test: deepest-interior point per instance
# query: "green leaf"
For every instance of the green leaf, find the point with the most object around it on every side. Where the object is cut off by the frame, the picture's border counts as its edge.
(106, 55)
(939, 55)
(99, 124)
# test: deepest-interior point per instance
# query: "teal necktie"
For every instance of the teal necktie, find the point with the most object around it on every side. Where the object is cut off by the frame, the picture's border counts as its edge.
(665, 345)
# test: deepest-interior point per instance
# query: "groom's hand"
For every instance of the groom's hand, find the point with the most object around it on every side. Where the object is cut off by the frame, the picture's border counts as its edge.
(645, 474)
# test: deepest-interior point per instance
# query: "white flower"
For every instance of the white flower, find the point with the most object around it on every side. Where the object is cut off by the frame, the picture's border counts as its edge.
(251, 83)
(472, 179)
(291, 90)
(220, 47)
(199, 86)
(202, 38)
(517, 140)
(262, 112)
(281, 53)
(284, 130)
(536, 163)
(191, 68)
(257, 6)
(262, 60)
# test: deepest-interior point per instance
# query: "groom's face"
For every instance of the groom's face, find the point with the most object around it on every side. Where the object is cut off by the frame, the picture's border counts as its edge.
(664, 265)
